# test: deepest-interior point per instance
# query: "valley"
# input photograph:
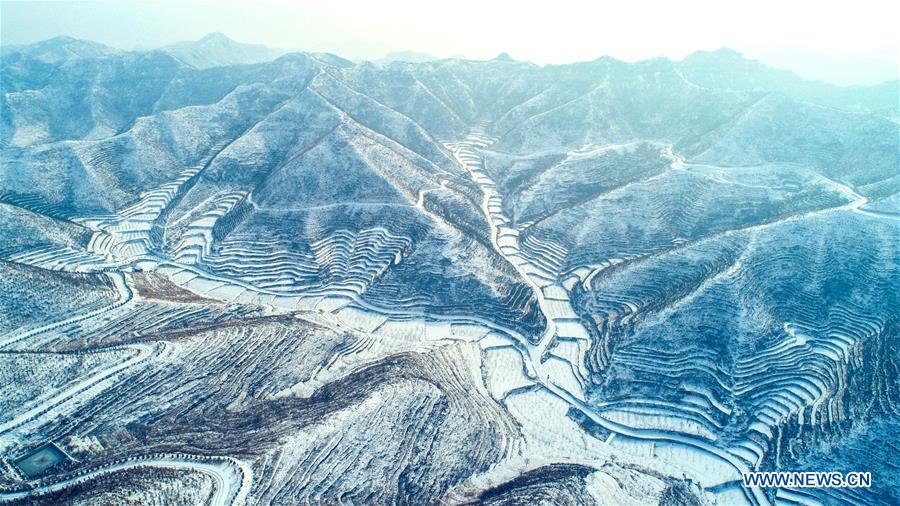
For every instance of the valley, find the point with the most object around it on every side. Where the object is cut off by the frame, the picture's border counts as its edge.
(314, 281)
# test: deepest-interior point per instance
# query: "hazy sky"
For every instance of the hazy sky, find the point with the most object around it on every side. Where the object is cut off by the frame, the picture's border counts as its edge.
(548, 31)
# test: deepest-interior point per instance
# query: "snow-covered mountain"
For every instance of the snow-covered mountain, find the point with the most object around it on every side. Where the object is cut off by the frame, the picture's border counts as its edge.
(217, 50)
(727, 68)
(57, 50)
(235, 278)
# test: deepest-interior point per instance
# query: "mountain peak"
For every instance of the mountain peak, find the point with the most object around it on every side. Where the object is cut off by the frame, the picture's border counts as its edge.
(504, 57)
(61, 39)
(217, 49)
(217, 37)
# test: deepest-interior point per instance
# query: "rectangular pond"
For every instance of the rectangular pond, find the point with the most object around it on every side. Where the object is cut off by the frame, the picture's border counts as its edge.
(40, 460)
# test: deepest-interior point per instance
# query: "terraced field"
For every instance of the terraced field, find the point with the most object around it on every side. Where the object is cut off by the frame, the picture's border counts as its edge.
(448, 282)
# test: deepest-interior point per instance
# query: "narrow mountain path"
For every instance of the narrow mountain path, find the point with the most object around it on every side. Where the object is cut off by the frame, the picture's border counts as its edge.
(232, 477)
(126, 295)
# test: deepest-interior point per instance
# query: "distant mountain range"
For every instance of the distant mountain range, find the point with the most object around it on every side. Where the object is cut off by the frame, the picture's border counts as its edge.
(213, 50)
(723, 70)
